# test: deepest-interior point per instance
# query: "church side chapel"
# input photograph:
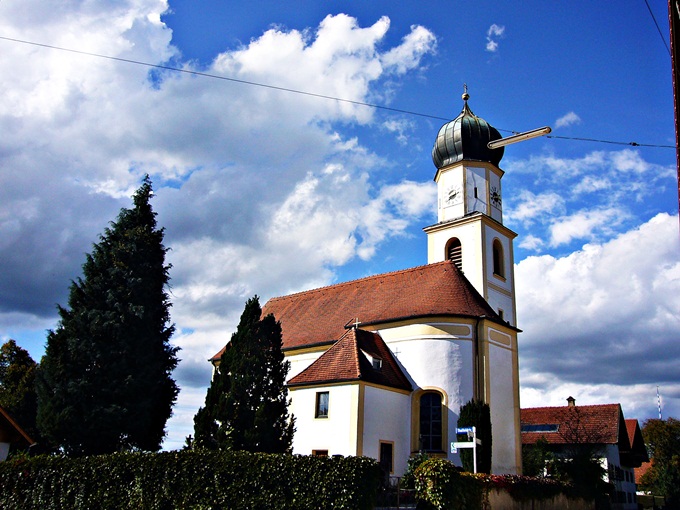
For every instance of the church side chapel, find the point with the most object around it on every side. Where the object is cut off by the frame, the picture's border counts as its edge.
(381, 366)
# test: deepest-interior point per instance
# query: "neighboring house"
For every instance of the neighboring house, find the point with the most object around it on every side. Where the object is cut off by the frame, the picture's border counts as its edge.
(382, 365)
(11, 434)
(616, 441)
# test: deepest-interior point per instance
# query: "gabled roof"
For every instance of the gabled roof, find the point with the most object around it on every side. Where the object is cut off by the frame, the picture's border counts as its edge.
(593, 424)
(319, 316)
(638, 451)
(345, 362)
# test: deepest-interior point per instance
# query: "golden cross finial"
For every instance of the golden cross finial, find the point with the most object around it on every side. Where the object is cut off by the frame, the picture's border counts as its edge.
(466, 96)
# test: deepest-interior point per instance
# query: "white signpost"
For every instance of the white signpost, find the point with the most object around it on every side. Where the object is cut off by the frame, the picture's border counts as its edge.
(472, 435)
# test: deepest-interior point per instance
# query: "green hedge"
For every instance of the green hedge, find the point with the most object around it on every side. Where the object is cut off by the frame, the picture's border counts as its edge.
(440, 484)
(189, 480)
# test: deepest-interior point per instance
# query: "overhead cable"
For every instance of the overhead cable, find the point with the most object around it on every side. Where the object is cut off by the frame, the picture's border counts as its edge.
(293, 91)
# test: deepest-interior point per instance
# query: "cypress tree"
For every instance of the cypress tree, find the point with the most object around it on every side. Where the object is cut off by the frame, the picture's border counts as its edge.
(104, 383)
(246, 406)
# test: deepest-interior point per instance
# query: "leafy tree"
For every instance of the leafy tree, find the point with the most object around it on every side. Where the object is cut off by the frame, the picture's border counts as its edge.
(246, 406)
(662, 438)
(17, 386)
(478, 414)
(104, 383)
(536, 458)
(579, 462)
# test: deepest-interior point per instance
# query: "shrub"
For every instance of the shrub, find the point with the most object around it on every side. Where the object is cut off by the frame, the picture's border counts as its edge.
(440, 484)
(189, 479)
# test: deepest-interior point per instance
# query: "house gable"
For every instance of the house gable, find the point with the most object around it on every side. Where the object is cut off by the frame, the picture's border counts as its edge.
(347, 361)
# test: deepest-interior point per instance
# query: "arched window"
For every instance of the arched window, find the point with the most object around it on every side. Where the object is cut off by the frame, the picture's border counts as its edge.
(498, 262)
(454, 252)
(431, 422)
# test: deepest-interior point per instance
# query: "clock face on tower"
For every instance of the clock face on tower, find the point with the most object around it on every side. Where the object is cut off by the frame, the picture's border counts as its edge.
(495, 196)
(453, 195)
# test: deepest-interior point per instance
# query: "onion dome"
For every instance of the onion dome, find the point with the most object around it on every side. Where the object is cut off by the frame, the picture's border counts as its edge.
(465, 138)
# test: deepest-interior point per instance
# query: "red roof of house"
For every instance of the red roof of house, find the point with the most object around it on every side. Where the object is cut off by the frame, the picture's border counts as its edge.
(641, 470)
(594, 424)
(345, 362)
(638, 451)
(319, 316)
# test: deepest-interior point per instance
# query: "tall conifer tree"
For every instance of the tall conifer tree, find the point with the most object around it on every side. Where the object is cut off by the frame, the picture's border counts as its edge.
(246, 405)
(104, 383)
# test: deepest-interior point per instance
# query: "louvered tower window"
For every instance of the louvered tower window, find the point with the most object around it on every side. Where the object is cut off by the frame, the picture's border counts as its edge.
(498, 264)
(454, 252)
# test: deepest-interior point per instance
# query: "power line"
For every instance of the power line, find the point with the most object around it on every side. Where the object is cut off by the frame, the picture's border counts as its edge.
(218, 77)
(295, 91)
(658, 28)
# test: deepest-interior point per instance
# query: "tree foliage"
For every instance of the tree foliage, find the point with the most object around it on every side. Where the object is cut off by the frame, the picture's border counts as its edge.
(577, 458)
(246, 406)
(662, 438)
(478, 414)
(17, 386)
(104, 383)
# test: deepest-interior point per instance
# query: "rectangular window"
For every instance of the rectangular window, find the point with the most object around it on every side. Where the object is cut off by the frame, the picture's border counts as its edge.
(321, 404)
(320, 453)
(387, 456)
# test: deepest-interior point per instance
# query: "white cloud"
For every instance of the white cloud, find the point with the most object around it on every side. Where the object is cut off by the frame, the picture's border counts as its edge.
(604, 316)
(399, 126)
(583, 225)
(567, 120)
(494, 32)
(419, 42)
(531, 207)
(256, 189)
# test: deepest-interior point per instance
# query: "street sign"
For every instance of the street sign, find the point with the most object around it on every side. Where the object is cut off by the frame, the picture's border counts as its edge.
(472, 434)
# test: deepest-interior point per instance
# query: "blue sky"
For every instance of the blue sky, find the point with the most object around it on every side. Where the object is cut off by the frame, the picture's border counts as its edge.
(267, 192)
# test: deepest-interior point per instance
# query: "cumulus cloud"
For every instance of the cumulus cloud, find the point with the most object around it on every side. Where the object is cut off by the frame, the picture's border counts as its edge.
(257, 191)
(562, 201)
(567, 120)
(492, 34)
(611, 312)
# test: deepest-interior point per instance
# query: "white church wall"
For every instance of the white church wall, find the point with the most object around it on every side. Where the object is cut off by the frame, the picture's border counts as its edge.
(299, 362)
(495, 209)
(469, 235)
(387, 417)
(433, 358)
(338, 432)
(504, 405)
(476, 189)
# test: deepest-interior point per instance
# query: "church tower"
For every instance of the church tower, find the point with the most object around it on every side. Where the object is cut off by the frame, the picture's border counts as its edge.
(470, 229)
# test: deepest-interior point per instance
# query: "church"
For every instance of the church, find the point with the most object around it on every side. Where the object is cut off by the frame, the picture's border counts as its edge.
(381, 366)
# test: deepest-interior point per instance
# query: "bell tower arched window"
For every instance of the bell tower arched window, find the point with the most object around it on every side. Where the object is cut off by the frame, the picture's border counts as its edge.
(454, 252)
(431, 422)
(498, 260)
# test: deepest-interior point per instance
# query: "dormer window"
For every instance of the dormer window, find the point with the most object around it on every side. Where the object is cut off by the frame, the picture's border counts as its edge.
(376, 363)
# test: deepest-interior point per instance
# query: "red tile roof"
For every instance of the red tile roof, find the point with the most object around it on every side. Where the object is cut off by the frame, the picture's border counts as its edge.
(638, 451)
(641, 470)
(319, 316)
(594, 424)
(344, 362)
